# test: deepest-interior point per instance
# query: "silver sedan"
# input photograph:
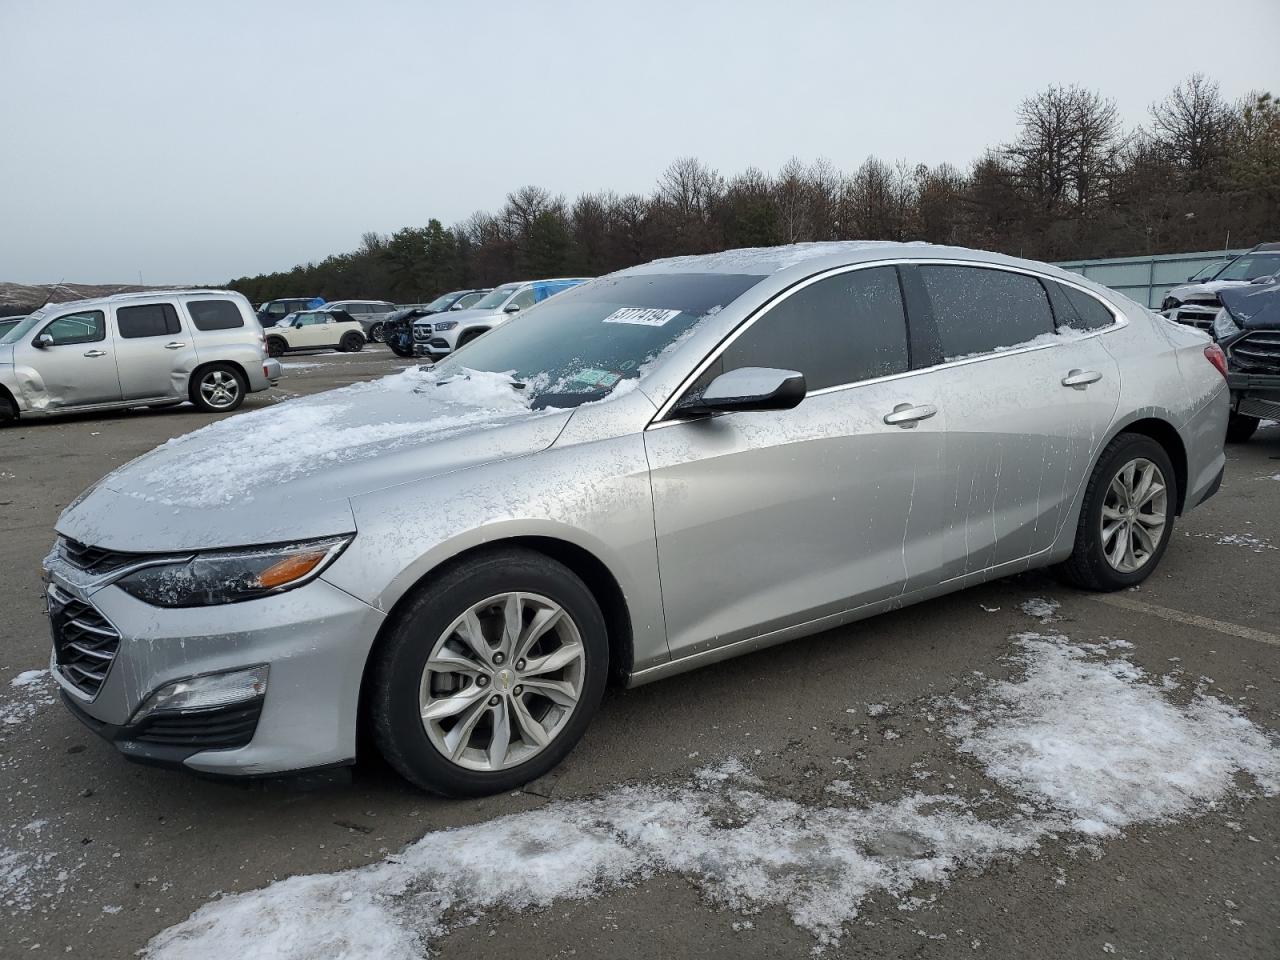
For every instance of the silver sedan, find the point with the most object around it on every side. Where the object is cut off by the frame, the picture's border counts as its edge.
(662, 468)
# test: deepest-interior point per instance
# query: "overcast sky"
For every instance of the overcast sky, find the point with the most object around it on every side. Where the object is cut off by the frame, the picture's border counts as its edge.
(196, 142)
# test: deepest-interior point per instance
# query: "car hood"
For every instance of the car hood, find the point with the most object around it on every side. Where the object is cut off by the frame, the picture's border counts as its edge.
(1207, 289)
(463, 316)
(1255, 307)
(287, 472)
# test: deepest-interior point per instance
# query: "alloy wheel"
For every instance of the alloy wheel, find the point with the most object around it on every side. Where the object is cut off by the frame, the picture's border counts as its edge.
(502, 681)
(219, 389)
(1133, 515)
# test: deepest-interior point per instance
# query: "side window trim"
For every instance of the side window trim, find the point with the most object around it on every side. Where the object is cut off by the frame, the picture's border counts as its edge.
(662, 416)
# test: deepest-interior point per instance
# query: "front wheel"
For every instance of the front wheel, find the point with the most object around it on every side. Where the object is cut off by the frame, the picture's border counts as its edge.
(1127, 516)
(401, 346)
(1240, 428)
(489, 675)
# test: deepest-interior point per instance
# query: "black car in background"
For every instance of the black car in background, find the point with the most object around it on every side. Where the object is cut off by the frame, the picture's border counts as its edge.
(1248, 330)
(397, 328)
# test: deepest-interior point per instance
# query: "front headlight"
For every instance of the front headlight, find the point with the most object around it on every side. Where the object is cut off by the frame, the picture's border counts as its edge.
(1224, 326)
(230, 576)
(446, 325)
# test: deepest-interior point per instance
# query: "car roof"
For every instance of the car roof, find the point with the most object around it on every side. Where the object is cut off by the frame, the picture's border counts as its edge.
(803, 259)
(1265, 248)
(149, 295)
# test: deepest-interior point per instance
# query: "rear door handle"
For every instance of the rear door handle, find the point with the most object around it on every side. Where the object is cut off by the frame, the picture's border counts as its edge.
(1081, 378)
(174, 345)
(95, 353)
(907, 415)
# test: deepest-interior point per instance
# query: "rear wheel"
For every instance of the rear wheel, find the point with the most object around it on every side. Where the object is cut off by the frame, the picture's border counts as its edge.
(276, 346)
(375, 332)
(351, 343)
(1127, 516)
(1240, 428)
(218, 389)
(489, 675)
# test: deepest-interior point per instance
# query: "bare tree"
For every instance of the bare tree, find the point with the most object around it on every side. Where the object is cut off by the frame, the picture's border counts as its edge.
(1192, 127)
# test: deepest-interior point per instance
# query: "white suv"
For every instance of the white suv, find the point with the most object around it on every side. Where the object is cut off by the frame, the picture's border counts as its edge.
(438, 336)
(154, 349)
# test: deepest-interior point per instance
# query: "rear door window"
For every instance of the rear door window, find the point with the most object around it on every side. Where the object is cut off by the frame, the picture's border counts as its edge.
(982, 310)
(1090, 312)
(215, 314)
(149, 320)
(839, 330)
(88, 326)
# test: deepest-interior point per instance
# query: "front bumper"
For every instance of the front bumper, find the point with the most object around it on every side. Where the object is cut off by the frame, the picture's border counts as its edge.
(1255, 394)
(315, 640)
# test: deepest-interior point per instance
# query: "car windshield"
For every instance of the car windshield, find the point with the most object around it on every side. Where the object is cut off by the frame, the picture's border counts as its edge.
(580, 344)
(496, 299)
(16, 333)
(440, 303)
(1250, 267)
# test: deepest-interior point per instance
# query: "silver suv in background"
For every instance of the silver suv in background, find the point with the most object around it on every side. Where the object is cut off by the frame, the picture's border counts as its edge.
(437, 337)
(368, 313)
(135, 349)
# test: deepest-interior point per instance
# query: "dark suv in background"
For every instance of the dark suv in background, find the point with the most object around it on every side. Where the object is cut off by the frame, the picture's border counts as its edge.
(397, 328)
(1248, 330)
(273, 311)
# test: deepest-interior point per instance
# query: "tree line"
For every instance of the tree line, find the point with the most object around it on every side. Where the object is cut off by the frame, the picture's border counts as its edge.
(1202, 173)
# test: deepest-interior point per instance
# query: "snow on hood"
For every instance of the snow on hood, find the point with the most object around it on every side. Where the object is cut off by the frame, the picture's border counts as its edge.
(1208, 288)
(286, 472)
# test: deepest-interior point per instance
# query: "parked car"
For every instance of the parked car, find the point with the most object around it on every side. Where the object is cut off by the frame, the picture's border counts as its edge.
(671, 465)
(1248, 330)
(439, 338)
(398, 327)
(1197, 303)
(154, 349)
(273, 311)
(370, 314)
(316, 330)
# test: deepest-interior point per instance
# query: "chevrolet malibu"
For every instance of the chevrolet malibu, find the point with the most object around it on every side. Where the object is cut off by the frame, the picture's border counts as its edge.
(668, 466)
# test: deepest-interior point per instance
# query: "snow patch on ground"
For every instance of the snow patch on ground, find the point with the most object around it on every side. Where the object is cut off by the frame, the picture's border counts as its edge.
(32, 690)
(1045, 610)
(1257, 544)
(1082, 732)
(1091, 735)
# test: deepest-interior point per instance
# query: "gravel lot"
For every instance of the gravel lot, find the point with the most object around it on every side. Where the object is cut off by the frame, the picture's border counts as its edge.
(98, 856)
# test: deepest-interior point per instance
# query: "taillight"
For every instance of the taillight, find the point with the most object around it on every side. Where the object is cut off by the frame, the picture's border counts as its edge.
(1213, 353)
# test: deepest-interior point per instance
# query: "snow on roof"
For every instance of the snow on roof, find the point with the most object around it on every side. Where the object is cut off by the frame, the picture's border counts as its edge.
(766, 260)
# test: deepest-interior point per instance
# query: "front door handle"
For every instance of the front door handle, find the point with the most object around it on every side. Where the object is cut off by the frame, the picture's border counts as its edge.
(907, 415)
(1081, 378)
(95, 353)
(174, 345)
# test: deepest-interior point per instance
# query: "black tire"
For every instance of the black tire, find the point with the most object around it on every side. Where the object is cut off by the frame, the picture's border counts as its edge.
(468, 337)
(401, 349)
(1240, 428)
(351, 342)
(235, 386)
(8, 410)
(397, 666)
(1088, 567)
(276, 346)
(375, 332)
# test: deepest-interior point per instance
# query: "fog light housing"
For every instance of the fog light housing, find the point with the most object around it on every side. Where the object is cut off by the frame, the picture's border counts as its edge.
(207, 692)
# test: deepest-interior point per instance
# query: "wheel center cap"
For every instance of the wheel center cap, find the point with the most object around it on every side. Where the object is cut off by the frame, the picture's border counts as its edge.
(504, 680)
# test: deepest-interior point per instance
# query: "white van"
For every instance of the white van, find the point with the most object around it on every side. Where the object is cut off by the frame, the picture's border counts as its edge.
(152, 349)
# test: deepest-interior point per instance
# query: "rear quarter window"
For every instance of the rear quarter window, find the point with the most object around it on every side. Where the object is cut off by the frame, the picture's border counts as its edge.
(215, 314)
(149, 320)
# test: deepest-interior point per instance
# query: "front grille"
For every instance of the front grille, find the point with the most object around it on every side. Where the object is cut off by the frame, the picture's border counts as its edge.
(1258, 352)
(84, 643)
(222, 728)
(1199, 315)
(421, 332)
(94, 559)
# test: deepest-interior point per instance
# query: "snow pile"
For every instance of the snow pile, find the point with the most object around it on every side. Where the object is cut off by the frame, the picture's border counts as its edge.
(744, 849)
(223, 461)
(1084, 733)
(1062, 335)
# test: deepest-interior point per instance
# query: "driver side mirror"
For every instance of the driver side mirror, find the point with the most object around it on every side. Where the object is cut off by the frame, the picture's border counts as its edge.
(43, 341)
(748, 388)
